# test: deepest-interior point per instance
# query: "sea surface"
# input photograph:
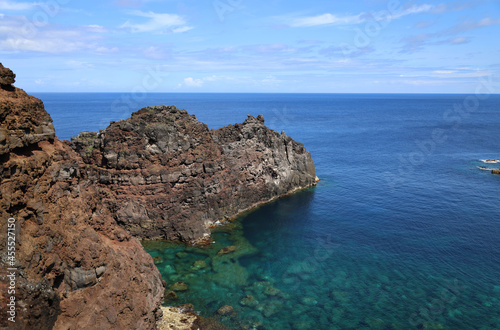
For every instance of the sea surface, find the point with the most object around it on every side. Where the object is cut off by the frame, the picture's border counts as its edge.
(402, 231)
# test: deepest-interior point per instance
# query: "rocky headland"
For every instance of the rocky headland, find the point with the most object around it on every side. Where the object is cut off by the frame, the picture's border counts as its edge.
(168, 176)
(80, 206)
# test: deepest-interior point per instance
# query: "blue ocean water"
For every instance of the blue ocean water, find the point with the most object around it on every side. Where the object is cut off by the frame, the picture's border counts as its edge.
(401, 232)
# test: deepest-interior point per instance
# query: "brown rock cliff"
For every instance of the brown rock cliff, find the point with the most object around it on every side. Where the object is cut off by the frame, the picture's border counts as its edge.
(75, 266)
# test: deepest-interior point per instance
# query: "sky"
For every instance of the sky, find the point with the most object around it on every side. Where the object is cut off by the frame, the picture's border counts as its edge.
(357, 46)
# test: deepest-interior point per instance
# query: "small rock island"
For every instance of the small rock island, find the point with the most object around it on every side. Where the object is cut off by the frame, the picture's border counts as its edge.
(81, 206)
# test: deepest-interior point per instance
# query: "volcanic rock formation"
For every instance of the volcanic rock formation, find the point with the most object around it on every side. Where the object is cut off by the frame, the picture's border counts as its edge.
(78, 207)
(169, 176)
(74, 265)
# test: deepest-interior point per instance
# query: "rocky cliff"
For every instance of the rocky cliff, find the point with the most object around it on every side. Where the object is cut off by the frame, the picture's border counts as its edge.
(79, 206)
(74, 265)
(168, 176)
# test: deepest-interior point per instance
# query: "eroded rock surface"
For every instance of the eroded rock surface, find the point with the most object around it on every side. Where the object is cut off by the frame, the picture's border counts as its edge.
(169, 176)
(75, 266)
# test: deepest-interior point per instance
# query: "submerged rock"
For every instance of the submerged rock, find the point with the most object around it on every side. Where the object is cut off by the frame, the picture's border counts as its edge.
(199, 264)
(225, 310)
(227, 249)
(179, 286)
(181, 254)
(249, 301)
(170, 295)
(271, 291)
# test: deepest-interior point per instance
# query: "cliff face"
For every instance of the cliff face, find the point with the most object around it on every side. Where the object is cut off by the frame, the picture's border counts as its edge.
(75, 265)
(78, 206)
(167, 175)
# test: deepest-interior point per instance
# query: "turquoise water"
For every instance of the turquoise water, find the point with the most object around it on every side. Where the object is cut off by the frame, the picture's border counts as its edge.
(402, 232)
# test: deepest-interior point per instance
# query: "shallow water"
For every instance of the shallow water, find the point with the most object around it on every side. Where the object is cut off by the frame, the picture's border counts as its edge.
(401, 233)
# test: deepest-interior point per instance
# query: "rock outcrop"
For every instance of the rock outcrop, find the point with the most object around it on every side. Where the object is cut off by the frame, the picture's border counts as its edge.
(496, 171)
(168, 176)
(78, 207)
(74, 266)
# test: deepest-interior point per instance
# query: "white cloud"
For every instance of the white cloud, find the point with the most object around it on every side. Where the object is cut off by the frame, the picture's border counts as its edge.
(415, 9)
(79, 65)
(15, 37)
(444, 71)
(190, 82)
(325, 19)
(96, 28)
(331, 19)
(157, 22)
(11, 5)
(459, 40)
(107, 50)
(157, 53)
(182, 29)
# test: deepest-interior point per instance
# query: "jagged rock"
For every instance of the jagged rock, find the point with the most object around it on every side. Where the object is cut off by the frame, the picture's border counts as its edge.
(496, 171)
(23, 119)
(7, 77)
(171, 177)
(73, 260)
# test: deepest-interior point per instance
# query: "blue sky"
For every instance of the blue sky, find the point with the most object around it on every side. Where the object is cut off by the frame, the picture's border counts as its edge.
(368, 46)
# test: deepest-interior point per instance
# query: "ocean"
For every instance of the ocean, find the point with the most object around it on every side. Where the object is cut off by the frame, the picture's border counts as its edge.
(402, 231)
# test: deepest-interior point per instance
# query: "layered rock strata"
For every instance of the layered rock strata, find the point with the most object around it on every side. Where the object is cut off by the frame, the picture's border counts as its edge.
(168, 176)
(74, 266)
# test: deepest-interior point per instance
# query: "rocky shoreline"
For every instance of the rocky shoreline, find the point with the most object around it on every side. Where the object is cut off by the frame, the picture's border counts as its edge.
(81, 206)
(197, 176)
